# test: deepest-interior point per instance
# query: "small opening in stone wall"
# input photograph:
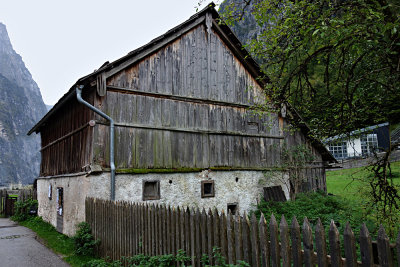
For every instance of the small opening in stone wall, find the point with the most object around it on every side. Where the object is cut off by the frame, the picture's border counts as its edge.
(232, 207)
(170, 181)
(207, 188)
(237, 179)
(151, 190)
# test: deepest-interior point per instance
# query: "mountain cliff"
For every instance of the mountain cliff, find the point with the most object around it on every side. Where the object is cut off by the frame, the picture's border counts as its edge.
(21, 106)
(247, 28)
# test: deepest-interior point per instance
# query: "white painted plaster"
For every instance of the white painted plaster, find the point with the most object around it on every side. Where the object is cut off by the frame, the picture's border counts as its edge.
(354, 147)
(184, 190)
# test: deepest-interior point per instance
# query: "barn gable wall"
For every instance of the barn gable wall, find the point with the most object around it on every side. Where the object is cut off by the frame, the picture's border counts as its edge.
(187, 106)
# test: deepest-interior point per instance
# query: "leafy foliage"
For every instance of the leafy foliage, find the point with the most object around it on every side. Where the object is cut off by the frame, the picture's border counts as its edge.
(337, 62)
(84, 240)
(295, 158)
(21, 209)
(318, 205)
(220, 260)
(180, 258)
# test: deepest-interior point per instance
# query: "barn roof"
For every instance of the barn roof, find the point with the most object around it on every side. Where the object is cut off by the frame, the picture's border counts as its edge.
(225, 33)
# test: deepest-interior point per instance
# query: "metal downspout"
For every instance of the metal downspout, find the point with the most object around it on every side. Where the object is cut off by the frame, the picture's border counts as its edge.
(112, 165)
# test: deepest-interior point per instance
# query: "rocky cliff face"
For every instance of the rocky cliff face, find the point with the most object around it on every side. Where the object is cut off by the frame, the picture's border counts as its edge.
(21, 106)
(247, 28)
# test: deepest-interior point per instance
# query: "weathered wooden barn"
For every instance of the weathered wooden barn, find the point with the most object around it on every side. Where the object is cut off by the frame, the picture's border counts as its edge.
(185, 131)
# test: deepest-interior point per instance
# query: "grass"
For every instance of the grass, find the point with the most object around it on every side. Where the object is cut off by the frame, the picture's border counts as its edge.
(347, 183)
(59, 243)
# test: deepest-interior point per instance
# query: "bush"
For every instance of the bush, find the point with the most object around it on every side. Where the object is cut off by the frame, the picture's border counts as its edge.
(318, 205)
(168, 260)
(22, 208)
(84, 240)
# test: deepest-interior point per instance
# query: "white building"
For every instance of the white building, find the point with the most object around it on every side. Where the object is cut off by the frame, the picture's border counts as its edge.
(359, 143)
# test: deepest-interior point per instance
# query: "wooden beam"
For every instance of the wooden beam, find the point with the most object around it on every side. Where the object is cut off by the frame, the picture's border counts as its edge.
(177, 98)
(188, 130)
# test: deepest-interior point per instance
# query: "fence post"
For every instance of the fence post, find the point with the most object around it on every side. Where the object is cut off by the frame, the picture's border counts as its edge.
(334, 242)
(182, 228)
(263, 230)
(204, 241)
(273, 232)
(308, 244)
(384, 254)
(255, 245)
(285, 245)
(216, 224)
(238, 238)
(296, 243)
(188, 231)
(210, 234)
(398, 248)
(367, 258)
(231, 238)
(350, 247)
(246, 239)
(321, 244)
(224, 239)
(198, 237)
(192, 236)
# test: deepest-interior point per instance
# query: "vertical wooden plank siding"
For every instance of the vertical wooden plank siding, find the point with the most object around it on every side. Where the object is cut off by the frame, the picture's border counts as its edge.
(66, 140)
(127, 229)
(162, 110)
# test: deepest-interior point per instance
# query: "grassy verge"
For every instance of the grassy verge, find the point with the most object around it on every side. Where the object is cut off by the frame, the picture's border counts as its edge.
(348, 183)
(352, 186)
(59, 243)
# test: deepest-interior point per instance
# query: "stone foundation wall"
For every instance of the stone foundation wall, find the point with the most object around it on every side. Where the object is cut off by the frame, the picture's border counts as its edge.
(176, 189)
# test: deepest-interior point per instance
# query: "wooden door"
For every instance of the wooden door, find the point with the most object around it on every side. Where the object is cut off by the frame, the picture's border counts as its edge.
(60, 209)
(10, 205)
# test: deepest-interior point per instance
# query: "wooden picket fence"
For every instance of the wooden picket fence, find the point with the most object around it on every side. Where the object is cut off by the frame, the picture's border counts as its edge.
(127, 229)
(22, 194)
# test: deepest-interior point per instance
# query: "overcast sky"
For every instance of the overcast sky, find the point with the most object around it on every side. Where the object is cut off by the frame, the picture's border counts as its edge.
(61, 41)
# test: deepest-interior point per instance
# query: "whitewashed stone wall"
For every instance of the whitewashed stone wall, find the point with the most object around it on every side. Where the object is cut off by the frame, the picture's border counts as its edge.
(177, 189)
(75, 190)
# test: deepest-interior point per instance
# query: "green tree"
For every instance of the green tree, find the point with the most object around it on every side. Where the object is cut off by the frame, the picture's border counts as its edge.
(337, 62)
